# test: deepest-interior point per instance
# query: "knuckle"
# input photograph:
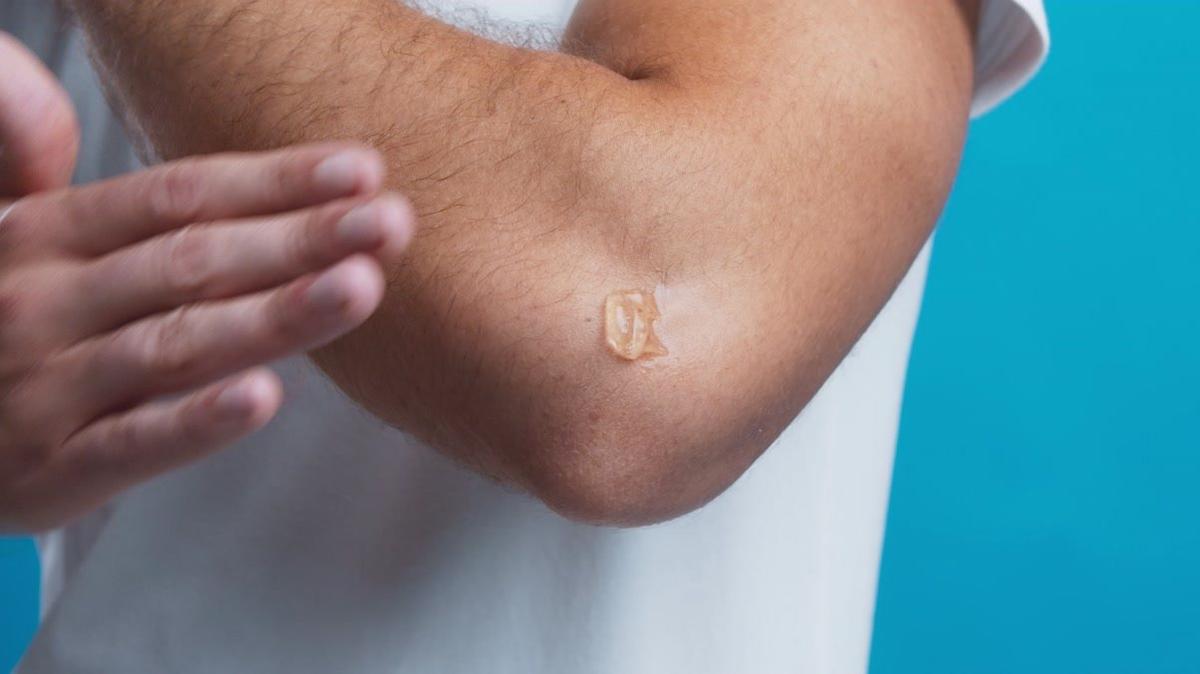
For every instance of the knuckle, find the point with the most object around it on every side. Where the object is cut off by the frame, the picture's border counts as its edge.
(287, 177)
(178, 192)
(105, 452)
(309, 245)
(188, 263)
(194, 426)
(286, 317)
(280, 327)
(166, 348)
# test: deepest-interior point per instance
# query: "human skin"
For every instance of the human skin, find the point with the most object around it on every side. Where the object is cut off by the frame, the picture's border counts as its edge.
(110, 298)
(769, 168)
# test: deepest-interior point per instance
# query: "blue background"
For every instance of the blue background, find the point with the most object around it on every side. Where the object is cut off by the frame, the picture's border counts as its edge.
(1047, 494)
(1046, 504)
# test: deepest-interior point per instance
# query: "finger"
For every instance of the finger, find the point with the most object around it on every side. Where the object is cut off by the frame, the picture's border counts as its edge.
(105, 216)
(234, 258)
(117, 452)
(39, 135)
(202, 343)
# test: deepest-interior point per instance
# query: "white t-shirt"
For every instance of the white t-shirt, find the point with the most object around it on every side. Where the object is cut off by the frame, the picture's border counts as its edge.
(332, 543)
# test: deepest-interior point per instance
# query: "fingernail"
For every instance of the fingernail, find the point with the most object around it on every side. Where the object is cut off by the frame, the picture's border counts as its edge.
(341, 173)
(361, 227)
(237, 399)
(326, 294)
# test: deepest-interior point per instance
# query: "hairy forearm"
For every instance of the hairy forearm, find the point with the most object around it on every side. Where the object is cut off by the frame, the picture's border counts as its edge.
(773, 202)
(450, 108)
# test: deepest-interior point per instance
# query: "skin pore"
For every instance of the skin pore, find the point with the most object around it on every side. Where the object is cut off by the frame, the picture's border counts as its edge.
(769, 167)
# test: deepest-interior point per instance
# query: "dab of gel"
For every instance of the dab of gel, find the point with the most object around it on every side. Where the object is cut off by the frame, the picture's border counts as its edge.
(629, 317)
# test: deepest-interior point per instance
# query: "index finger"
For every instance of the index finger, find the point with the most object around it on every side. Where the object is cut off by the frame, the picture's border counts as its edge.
(105, 216)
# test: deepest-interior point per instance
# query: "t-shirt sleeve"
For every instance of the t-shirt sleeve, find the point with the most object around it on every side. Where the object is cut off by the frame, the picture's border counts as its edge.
(1011, 45)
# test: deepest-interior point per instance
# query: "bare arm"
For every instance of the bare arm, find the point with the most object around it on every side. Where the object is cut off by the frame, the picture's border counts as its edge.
(768, 168)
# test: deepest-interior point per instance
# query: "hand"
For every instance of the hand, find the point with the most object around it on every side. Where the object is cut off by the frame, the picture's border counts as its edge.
(136, 314)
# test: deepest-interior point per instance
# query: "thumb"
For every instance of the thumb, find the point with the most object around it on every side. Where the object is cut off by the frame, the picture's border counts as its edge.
(39, 133)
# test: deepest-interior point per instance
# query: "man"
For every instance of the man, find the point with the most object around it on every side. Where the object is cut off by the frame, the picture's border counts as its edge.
(640, 257)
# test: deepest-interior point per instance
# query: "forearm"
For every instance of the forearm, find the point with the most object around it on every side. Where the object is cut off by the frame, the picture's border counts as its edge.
(774, 202)
(449, 107)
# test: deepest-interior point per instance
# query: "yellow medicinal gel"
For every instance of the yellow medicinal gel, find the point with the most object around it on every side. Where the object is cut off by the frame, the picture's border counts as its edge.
(629, 317)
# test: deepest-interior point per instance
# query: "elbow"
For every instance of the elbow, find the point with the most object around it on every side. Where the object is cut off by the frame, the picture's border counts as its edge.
(633, 444)
(652, 470)
(620, 485)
